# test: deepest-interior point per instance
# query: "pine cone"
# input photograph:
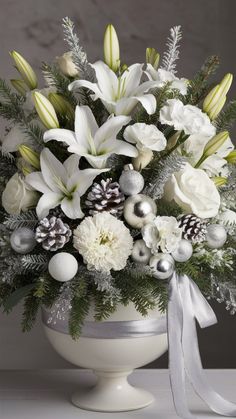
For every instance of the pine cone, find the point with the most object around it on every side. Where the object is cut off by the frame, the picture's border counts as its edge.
(52, 233)
(105, 196)
(194, 228)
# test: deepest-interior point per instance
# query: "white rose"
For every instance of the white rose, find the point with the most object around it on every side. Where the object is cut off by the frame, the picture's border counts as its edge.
(145, 137)
(188, 118)
(66, 65)
(163, 233)
(162, 76)
(18, 196)
(193, 191)
(14, 139)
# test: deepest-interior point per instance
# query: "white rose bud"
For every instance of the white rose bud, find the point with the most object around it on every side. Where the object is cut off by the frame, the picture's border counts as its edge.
(25, 70)
(18, 196)
(66, 64)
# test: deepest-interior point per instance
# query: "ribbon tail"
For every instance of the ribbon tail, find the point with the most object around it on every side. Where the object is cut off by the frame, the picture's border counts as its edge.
(176, 359)
(189, 296)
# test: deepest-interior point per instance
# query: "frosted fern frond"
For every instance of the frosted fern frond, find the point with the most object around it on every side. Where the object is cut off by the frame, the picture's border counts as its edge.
(79, 55)
(34, 263)
(105, 284)
(224, 292)
(160, 172)
(172, 54)
(26, 219)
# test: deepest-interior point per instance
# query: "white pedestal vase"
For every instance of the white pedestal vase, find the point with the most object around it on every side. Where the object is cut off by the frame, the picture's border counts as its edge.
(112, 358)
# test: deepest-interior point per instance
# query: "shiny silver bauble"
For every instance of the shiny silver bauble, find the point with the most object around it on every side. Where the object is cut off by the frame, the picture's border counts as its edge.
(23, 240)
(216, 236)
(141, 253)
(131, 182)
(139, 210)
(183, 252)
(162, 265)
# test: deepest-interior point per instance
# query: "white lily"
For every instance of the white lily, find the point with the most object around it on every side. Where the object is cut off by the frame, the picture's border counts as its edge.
(61, 184)
(94, 143)
(119, 94)
(162, 77)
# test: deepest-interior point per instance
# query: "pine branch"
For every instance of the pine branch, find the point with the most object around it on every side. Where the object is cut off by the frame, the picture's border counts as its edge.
(34, 263)
(226, 118)
(7, 166)
(31, 307)
(54, 78)
(172, 54)
(80, 305)
(199, 87)
(79, 55)
(25, 219)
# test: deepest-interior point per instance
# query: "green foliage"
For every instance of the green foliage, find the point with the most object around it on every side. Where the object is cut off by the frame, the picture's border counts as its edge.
(17, 296)
(31, 308)
(199, 86)
(227, 117)
(80, 305)
(54, 78)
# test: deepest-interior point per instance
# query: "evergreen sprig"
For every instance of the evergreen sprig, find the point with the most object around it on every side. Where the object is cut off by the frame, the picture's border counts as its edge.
(54, 78)
(25, 219)
(227, 117)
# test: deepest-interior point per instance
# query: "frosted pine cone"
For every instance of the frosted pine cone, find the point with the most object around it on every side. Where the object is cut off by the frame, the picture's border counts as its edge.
(194, 228)
(52, 233)
(105, 196)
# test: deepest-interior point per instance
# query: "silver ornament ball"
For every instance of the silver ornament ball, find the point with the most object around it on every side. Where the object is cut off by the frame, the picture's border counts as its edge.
(162, 265)
(139, 210)
(216, 236)
(183, 252)
(131, 182)
(141, 253)
(23, 240)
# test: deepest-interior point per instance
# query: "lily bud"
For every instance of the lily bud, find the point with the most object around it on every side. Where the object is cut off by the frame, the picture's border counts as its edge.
(231, 158)
(26, 170)
(111, 48)
(152, 57)
(219, 181)
(45, 110)
(25, 70)
(30, 156)
(20, 86)
(143, 159)
(215, 100)
(61, 105)
(215, 143)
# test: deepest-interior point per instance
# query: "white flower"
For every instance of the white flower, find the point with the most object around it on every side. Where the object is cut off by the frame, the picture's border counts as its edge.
(18, 196)
(94, 143)
(194, 192)
(163, 233)
(66, 64)
(145, 137)
(188, 118)
(193, 147)
(61, 184)
(162, 76)
(104, 242)
(215, 166)
(119, 94)
(14, 138)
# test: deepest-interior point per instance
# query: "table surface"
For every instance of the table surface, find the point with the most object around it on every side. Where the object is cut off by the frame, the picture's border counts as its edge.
(46, 394)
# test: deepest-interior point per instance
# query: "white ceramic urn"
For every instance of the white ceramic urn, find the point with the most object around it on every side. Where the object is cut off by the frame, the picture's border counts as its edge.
(111, 359)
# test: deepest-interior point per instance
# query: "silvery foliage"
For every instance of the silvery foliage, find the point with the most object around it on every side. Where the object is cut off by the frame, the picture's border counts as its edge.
(25, 219)
(224, 292)
(105, 283)
(172, 54)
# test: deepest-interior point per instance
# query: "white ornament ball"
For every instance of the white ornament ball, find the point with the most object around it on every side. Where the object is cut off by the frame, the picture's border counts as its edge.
(63, 266)
(216, 236)
(162, 265)
(23, 240)
(131, 182)
(183, 252)
(141, 253)
(139, 210)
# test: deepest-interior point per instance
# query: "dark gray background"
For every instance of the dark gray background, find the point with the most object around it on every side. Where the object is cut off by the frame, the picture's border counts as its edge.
(33, 28)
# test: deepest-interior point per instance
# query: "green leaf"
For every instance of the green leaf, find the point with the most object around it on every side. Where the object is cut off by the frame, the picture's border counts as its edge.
(17, 296)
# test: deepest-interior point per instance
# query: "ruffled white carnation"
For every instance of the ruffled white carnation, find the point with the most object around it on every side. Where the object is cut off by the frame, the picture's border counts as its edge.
(104, 242)
(163, 233)
(188, 118)
(162, 76)
(145, 137)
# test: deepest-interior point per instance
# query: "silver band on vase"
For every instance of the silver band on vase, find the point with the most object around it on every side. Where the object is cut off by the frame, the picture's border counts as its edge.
(111, 330)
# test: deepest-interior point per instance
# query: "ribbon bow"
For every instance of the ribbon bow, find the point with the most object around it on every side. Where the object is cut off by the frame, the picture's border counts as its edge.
(187, 304)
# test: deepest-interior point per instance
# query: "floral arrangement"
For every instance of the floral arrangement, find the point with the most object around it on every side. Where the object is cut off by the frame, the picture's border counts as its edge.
(113, 177)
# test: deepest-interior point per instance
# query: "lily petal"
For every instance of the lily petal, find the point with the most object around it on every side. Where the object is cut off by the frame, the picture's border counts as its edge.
(149, 103)
(71, 207)
(131, 79)
(86, 178)
(63, 135)
(37, 182)
(85, 125)
(52, 170)
(72, 164)
(110, 129)
(77, 84)
(47, 202)
(107, 80)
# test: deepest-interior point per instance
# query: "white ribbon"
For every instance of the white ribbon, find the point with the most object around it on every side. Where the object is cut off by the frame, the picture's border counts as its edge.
(187, 304)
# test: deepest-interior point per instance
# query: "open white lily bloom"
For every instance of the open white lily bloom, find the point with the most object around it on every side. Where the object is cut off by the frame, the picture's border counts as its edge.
(162, 76)
(145, 137)
(94, 143)
(61, 184)
(119, 94)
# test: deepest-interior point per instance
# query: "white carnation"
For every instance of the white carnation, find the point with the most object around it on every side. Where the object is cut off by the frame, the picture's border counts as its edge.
(188, 118)
(194, 192)
(145, 137)
(18, 196)
(163, 233)
(104, 242)
(162, 76)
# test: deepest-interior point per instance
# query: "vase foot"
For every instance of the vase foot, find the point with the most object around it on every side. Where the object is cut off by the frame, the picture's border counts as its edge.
(112, 393)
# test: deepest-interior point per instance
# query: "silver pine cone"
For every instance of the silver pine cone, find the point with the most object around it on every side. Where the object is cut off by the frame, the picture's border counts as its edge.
(194, 228)
(105, 196)
(52, 233)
